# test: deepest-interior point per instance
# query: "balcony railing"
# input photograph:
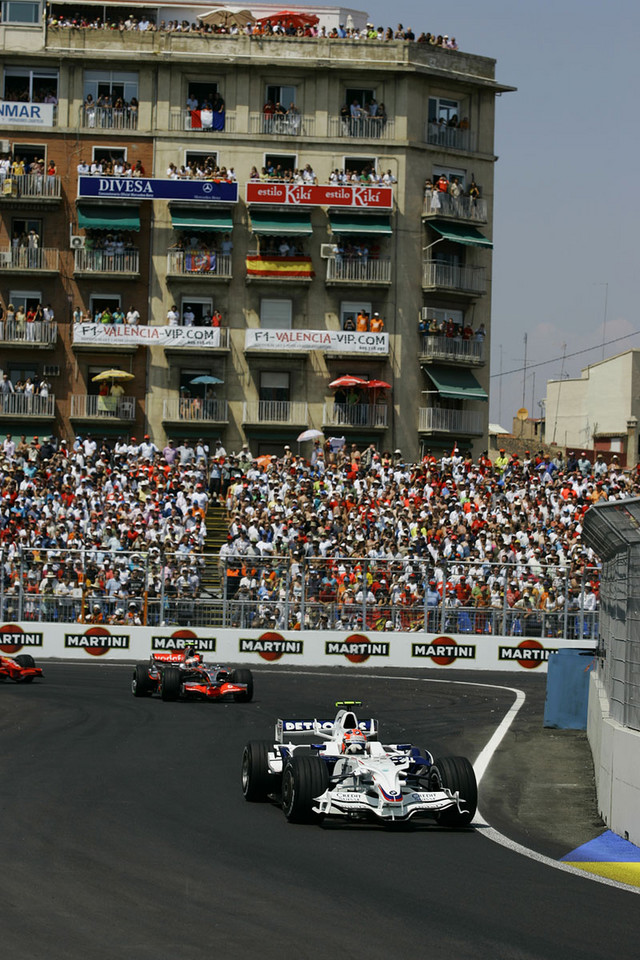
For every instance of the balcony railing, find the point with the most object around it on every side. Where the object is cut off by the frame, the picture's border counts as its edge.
(355, 415)
(30, 186)
(275, 411)
(195, 410)
(355, 271)
(15, 260)
(99, 261)
(451, 138)
(295, 125)
(436, 420)
(453, 349)
(84, 407)
(11, 331)
(437, 273)
(27, 405)
(362, 128)
(108, 118)
(198, 263)
(183, 119)
(455, 208)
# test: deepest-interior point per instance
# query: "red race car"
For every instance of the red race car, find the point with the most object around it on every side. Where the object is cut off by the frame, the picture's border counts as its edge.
(183, 674)
(21, 669)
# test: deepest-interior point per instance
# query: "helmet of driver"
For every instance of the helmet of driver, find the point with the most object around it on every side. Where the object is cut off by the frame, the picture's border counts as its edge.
(353, 741)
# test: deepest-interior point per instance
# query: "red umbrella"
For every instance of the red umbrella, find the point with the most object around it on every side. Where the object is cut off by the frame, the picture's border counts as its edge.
(288, 16)
(377, 385)
(348, 381)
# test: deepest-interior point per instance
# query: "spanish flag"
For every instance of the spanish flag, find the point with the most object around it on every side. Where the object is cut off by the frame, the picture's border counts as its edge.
(279, 267)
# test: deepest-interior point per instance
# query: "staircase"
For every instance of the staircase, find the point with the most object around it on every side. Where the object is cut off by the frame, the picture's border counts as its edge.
(217, 530)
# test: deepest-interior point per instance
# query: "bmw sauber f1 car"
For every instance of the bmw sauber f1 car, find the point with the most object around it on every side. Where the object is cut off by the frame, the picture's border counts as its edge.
(351, 775)
(22, 668)
(179, 675)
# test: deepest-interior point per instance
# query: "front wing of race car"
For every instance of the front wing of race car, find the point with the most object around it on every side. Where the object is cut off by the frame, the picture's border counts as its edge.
(403, 806)
(21, 669)
(208, 690)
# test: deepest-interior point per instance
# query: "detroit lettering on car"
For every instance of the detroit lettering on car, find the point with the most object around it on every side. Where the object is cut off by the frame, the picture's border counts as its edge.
(350, 775)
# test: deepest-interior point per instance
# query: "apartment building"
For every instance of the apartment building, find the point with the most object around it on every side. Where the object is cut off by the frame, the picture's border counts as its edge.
(287, 267)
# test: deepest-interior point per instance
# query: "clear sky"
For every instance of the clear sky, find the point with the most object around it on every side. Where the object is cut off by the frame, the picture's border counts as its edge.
(567, 189)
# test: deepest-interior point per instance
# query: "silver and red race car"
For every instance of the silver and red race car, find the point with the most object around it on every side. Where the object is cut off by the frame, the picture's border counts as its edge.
(21, 669)
(179, 675)
(351, 775)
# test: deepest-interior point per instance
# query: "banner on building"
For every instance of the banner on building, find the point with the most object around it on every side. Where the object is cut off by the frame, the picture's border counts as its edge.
(321, 195)
(26, 114)
(279, 267)
(328, 341)
(145, 188)
(120, 335)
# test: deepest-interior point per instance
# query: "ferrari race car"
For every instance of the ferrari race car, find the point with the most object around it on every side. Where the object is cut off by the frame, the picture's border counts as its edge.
(22, 668)
(175, 675)
(352, 775)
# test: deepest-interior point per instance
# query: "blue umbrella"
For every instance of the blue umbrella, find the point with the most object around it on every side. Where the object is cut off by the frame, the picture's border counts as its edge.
(206, 378)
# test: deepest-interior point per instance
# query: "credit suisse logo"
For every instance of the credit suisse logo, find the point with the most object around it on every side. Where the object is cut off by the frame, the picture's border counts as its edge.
(14, 638)
(96, 641)
(444, 651)
(528, 654)
(270, 645)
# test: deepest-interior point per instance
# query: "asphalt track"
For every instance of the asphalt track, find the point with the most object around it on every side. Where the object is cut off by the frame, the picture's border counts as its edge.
(125, 834)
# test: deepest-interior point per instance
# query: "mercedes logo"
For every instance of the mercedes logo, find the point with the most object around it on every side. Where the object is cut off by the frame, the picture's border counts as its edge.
(207, 187)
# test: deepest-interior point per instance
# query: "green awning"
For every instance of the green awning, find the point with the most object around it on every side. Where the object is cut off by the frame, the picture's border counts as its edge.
(273, 223)
(360, 223)
(456, 383)
(103, 217)
(459, 233)
(205, 220)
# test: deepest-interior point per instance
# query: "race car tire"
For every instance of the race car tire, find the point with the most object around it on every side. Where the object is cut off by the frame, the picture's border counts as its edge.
(243, 676)
(25, 660)
(257, 782)
(141, 684)
(304, 778)
(170, 683)
(457, 774)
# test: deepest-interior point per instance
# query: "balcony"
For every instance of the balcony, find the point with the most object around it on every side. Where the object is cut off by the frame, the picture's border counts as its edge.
(354, 271)
(198, 263)
(107, 118)
(30, 335)
(298, 269)
(28, 406)
(31, 186)
(362, 128)
(110, 409)
(275, 413)
(455, 208)
(341, 415)
(282, 126)
(183, 119)
(452, 350)
(194, 410)
(25, 260)
(450, 138)
(100, 263)
(459, 422)
(439, 275)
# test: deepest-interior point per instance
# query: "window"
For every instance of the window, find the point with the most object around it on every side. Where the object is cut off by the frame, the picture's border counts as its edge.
(108, 153)
(442, 109)
(29, 152)
(16, 11)
(102, 83)
(275, 314)
(281, 161)
(187, 374)
(21, 83)
(286, 95)
(363, 96)
(93, 386)
(18, 372)
(202, 92)
(199, 156)
(274, 386)
(29, 299)
(349, 310)
(200, 307)
(100, 302)
(22, 226)
(450, 173)
(436, 313)
(359, 164)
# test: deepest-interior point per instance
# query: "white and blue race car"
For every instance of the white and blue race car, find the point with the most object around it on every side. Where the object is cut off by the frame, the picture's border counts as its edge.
(350, 774)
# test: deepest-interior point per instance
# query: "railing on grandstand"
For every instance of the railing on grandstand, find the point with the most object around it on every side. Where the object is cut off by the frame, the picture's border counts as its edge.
(24, 258)
(189, 263)
(450, 276)
(184, 119)
(12, 331)
(289, 125)
(355, 415)
(294, 593)
(355, 271)
(119, 408)
(108, 118)
(452, 137)
(27, 405)
(435, 347)
(99, 261)
(438, 420)
(195, 409)
(455, 208)
(31, 186)
(274, 411)
(362, 128)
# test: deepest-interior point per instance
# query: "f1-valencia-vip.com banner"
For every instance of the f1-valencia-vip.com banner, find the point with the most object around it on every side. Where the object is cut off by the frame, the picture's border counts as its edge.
(145, 188)
(328, 341)
(330, 195)
(120, 335)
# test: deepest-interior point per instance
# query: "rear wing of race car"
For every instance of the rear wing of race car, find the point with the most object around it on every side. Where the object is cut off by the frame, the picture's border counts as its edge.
(318, 728)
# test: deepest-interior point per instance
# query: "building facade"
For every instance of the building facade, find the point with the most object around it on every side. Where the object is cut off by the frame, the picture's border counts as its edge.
(286, 266)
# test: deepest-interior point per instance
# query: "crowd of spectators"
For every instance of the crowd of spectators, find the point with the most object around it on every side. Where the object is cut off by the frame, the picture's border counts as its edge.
(111, 111)
(451, 329)
(25, 321)
(204, 168)
(108, 315)
(115, 166)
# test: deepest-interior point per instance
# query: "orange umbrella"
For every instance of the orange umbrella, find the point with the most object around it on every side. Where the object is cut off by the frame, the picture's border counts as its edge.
(377, 385)
(264, 460)
(348, 381)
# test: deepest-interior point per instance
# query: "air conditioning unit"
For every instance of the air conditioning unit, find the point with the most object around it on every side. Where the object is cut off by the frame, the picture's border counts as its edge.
(5, 146)
(77, 243)
(51, 370)
(6, 258)
(328, 250)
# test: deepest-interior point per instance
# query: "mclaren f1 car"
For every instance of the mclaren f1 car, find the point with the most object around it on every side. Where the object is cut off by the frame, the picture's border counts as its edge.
(178, 675)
